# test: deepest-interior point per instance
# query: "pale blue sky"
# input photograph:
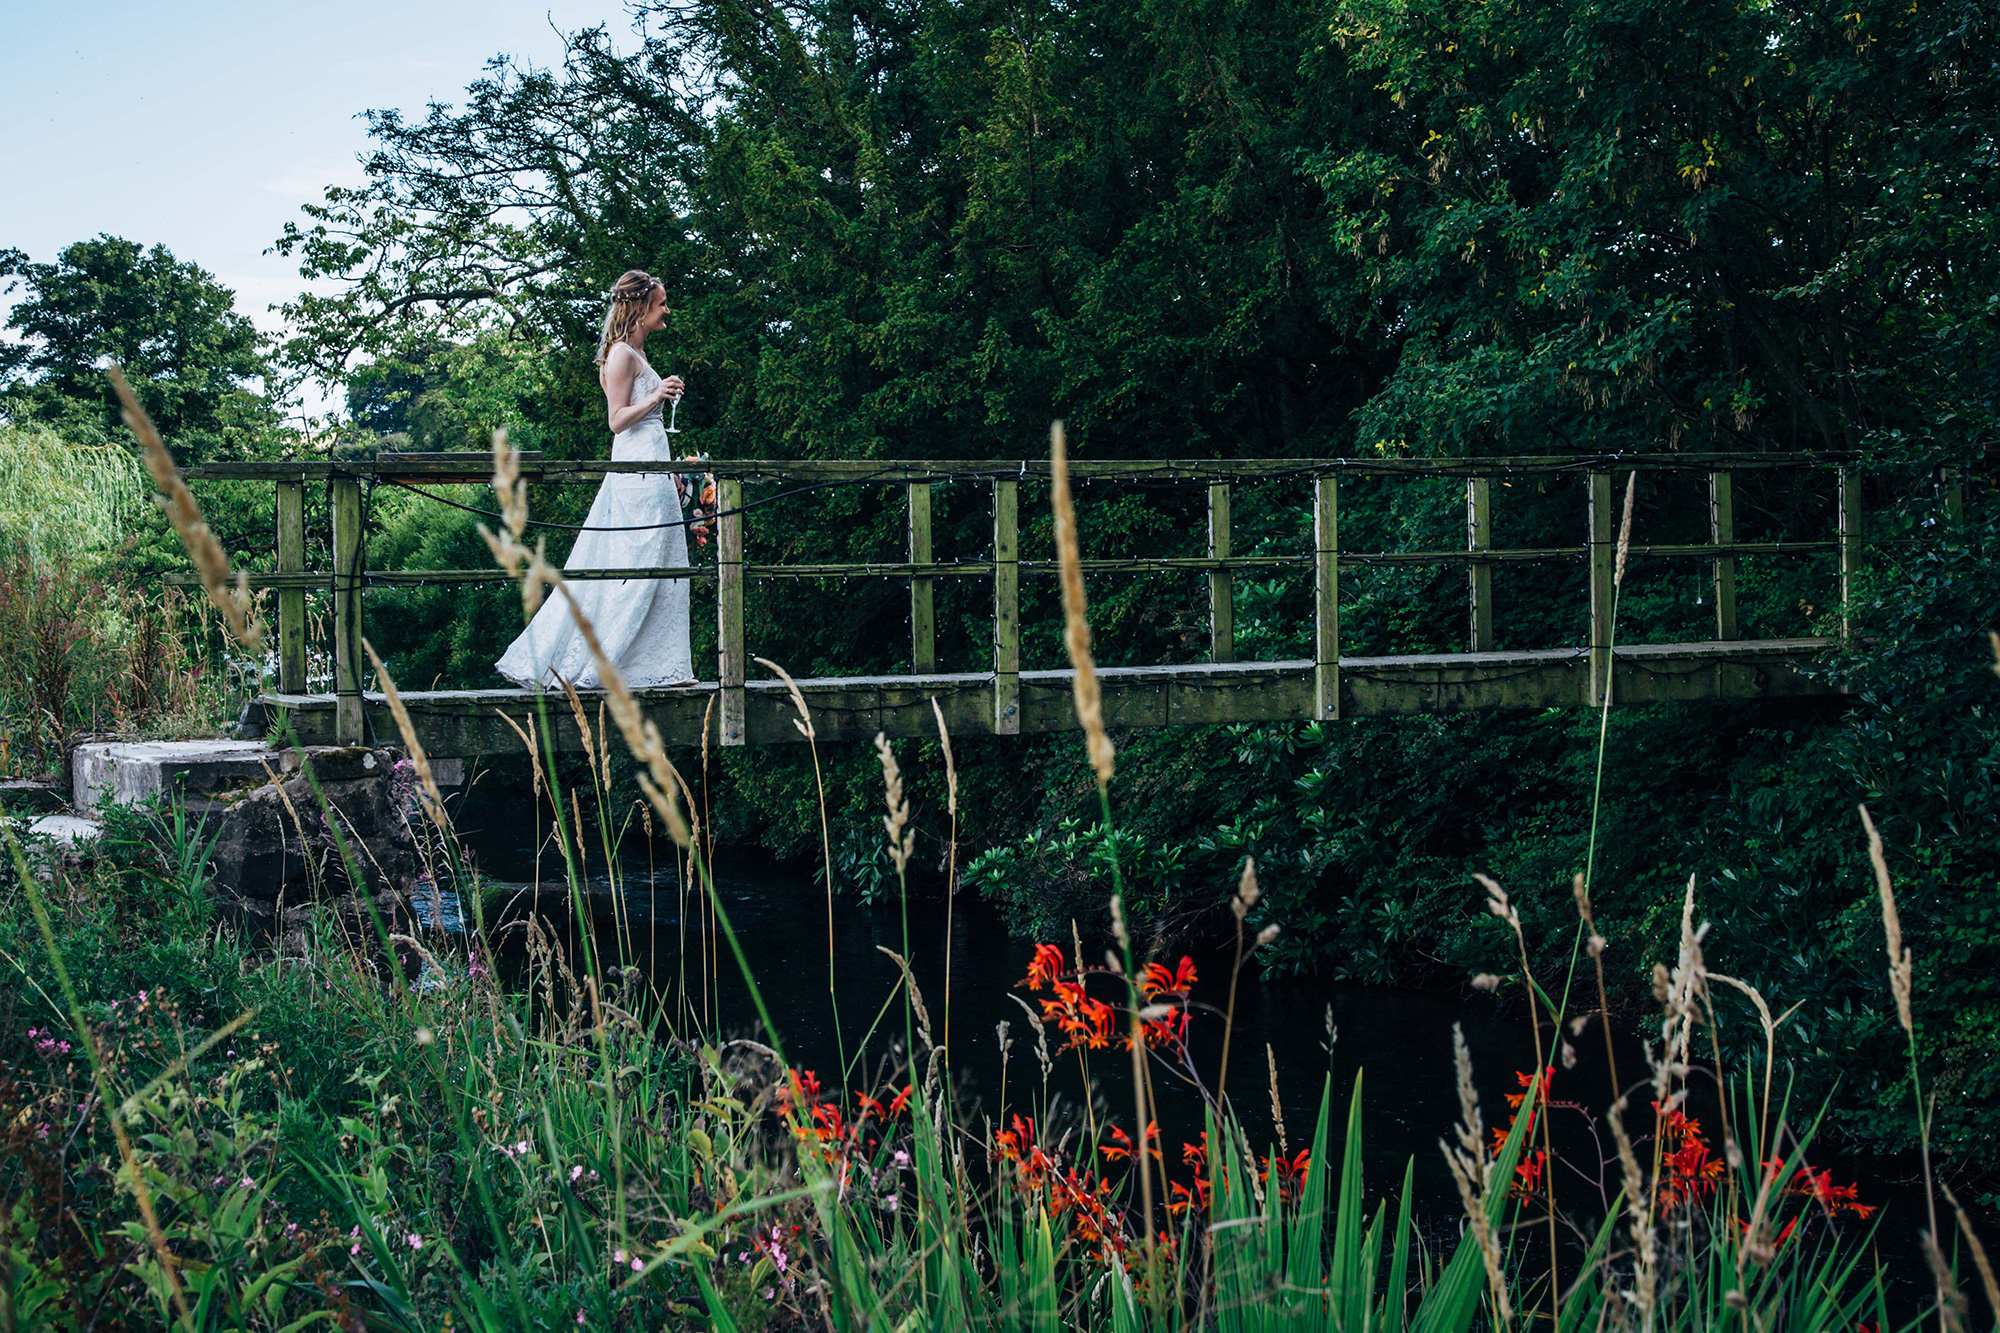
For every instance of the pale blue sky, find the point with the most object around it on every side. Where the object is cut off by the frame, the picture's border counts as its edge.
(203, 125)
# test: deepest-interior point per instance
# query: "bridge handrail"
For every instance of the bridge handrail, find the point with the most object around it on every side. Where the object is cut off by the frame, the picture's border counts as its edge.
(477, 467)
(346, 477)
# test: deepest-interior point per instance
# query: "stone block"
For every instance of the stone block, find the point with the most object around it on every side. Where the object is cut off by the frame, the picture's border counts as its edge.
(273, 840)
(67, 832)
(131, 772)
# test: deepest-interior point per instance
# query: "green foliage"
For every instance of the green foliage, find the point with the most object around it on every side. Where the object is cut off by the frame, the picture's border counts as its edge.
(352, 1150)
(196, 364)
(61, 494)
(1714, 222)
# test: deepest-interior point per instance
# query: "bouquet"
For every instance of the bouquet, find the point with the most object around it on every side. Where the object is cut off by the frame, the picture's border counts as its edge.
(697, 492)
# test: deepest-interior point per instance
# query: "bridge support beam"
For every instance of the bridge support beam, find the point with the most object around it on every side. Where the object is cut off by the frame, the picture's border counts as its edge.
(730, 657)
(1850, 548)
(1007, 608)
(1326, 597)
(1603, 558)
(1221, 582)
(292, 601)
(923, 614)
(349, 573)
(1722, 531)
(1479, 575)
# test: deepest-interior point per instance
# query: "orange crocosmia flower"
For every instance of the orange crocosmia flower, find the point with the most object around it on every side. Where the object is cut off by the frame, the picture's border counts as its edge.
(1819, 1186)
(1120, 1147)
(1044, 967)
(1169, 1032)
(1159, 982)
(1082, 1020)
(829, 1124)
(1528, 1173)
(1089, 1199)
(1018, 1147)
(1290, 1172)
(1691, 1170)
(899, 1101)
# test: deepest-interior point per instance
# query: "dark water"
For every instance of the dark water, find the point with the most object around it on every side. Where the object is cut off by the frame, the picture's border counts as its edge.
(1398, 1043)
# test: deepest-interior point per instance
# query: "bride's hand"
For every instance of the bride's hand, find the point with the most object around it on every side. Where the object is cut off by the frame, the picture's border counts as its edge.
(671, 388)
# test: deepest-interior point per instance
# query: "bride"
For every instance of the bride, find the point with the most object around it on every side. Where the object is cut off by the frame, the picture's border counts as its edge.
(635, 523)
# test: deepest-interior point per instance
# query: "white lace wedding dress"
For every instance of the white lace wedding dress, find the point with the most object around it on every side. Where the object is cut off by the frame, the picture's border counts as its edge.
(641, 623)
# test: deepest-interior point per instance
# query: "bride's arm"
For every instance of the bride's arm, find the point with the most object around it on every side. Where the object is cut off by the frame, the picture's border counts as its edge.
(620, 369)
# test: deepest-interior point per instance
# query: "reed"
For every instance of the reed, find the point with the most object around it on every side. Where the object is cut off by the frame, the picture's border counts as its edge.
(1076, 616)
(951, 859)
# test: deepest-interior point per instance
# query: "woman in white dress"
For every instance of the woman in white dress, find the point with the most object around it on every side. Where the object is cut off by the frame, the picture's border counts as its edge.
(635, 523)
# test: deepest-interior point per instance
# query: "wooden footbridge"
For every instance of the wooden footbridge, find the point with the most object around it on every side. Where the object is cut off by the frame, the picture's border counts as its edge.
(1005, 699)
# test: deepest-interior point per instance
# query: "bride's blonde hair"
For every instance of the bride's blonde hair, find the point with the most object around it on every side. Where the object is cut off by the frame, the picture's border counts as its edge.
(630, 296)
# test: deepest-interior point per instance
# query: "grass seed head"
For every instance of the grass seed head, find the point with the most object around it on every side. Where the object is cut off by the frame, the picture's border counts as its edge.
(902, 838)
(803, 722)
(1900, 959)
(1625, 531)
(1247, 892)
(1076, 619)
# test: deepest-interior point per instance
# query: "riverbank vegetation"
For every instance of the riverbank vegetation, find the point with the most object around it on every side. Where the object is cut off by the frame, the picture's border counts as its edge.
(1273, 230)
(372, 1131)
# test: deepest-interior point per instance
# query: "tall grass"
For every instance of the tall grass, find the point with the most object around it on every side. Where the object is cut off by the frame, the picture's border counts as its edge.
(582, 1149)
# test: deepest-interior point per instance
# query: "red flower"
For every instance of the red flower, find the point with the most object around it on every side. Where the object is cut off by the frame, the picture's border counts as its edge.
(1691, 1169)
(1082, 1020)
(1158, 982)
(829, 1126)
(1528, 1174)
(1290, 1173)
(1045, 967)
(1120, 1147)
(1018, 1148)
(1170, 1032)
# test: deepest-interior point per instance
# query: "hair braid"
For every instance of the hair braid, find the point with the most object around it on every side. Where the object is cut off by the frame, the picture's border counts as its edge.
(630, 296)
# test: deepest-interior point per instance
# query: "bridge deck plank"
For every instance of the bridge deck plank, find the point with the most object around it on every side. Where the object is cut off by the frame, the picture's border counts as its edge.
(471, 722)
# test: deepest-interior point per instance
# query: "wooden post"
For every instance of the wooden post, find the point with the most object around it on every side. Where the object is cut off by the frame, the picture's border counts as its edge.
(291, 601)
(729, 605)
(1850, 547)
(1722, 531)
(1221, 583)
(1326, 597)
(923, 616)
(1479, 574)
(349, 567)
(1603, 557)
(1006, 608)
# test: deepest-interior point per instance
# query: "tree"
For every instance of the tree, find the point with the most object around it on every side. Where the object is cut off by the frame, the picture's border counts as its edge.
(197, 365)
